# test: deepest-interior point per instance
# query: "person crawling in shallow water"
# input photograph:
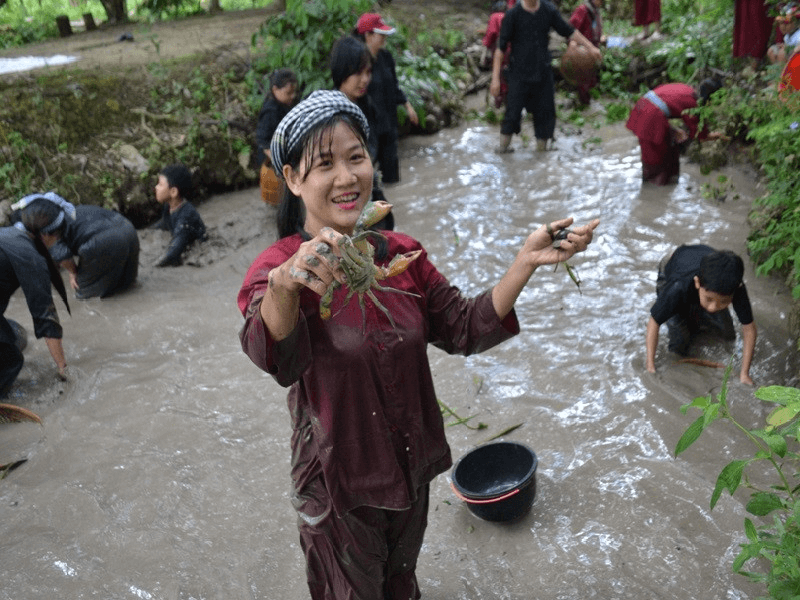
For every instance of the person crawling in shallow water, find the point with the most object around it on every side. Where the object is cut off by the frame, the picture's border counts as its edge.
(99, 248)
(178, 217)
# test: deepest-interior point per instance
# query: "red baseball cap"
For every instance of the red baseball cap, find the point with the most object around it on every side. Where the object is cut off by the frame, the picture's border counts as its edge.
(373, 22)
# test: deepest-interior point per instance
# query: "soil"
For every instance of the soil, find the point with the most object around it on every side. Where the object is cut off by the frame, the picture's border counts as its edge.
(156, 42)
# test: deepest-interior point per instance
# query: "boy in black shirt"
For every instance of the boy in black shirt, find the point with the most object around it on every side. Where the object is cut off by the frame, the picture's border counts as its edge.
(179, 217)
(695, 286)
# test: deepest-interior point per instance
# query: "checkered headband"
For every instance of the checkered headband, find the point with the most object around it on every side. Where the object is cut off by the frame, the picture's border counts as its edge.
(305, 116)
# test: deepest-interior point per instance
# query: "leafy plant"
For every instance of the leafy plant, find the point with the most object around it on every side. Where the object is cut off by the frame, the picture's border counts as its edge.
(301, 39)
(776, 541)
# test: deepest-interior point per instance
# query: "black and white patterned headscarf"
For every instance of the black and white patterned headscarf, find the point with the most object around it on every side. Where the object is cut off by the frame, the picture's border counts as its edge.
(317, 108)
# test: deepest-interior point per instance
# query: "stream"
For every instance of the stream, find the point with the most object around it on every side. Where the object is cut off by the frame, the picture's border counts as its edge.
(162, 467)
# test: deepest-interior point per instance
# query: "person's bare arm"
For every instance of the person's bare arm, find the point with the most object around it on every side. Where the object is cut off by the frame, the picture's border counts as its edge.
(57, 352)
(651, 342)
(749, 335)
(538, 250)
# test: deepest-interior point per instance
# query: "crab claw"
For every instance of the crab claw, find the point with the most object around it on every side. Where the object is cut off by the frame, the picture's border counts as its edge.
(372, 213)
(399, 264)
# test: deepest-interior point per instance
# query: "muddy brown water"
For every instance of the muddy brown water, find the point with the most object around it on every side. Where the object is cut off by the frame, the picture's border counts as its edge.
(161, 471)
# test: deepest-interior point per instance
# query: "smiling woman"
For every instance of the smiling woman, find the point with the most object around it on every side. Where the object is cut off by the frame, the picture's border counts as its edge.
(368, 435)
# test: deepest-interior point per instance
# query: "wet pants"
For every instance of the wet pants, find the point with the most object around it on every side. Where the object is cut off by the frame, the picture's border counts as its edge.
(536, 97)
(387, 156)
(660, 162)
(367, 554)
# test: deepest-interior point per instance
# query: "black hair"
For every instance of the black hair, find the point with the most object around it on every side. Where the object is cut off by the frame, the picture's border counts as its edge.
(291, 212)
(280, 78)
(39, 213)
(348, 57)
(178, 176)
(721, 272)
(708, 87)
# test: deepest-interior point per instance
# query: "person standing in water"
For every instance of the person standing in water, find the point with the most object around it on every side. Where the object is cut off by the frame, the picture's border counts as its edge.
(368, 435)
(385, 93)
(526, 28)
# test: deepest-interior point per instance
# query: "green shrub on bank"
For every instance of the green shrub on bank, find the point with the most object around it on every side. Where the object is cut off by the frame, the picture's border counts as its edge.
(774, 544)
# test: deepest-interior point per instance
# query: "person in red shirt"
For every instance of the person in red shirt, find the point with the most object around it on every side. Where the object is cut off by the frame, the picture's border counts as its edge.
(752, 27)
(489, 45)
(586, 18)
(646, 13)
(659, 140)
(368, 435)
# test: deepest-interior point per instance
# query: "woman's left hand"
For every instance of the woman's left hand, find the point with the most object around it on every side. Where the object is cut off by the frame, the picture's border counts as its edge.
(73, 281)
(540, 247)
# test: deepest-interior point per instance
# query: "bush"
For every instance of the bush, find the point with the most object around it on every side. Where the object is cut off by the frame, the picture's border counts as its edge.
(775, 445)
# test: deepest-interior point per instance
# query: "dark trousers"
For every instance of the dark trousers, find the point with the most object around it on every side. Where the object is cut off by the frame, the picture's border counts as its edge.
(109, 263)
(11, 358)
(387, 158)
(367, 554)
(538, 98)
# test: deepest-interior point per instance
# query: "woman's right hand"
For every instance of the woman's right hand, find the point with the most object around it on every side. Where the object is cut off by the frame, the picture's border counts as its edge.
(315, 265)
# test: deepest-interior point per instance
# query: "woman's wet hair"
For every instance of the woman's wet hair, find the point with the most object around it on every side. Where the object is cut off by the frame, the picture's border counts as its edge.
(291, 212)
(708, 87)
(178, 176)
(721, 272)
(348, 57)
(39, 215)
(281, 78)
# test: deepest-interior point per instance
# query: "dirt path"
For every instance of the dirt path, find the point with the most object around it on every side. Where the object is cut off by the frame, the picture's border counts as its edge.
(151, 42)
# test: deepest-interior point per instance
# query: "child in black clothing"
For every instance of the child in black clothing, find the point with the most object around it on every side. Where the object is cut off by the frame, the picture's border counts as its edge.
(179, 217)
(279, 100)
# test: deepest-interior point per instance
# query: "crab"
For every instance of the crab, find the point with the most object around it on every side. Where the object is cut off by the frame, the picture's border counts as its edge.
(361, 273)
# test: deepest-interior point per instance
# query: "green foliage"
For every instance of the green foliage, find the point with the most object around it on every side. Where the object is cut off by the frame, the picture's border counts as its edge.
(301, 39)
(775, 446)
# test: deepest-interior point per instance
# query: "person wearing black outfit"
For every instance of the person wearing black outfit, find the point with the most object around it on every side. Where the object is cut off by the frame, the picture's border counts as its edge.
(25, 263)
(385, 93)
(179, 216)
(526, 28)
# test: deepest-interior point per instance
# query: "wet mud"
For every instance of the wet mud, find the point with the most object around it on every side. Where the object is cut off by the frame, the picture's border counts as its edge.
(161, 470)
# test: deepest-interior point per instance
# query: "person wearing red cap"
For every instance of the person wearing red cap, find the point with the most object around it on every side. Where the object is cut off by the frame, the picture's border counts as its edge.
(385, 93)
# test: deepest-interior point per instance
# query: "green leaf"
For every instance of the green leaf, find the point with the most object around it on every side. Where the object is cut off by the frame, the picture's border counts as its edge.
(763, 503)
(779, 394)
(750, 530)
(776, 443)
(782, 415)
(690, 435)
(729, 479)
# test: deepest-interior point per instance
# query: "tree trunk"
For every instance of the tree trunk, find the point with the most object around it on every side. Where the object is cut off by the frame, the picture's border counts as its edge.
(214, 7)
(64, 28)
(116, 10)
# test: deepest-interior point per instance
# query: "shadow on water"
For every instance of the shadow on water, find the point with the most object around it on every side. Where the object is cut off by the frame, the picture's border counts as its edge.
(162, 467)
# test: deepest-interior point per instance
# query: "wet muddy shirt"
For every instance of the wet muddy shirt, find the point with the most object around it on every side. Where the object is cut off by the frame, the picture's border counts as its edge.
(186, 227)
(79, 235)
(679, 295)
(362, 403)
(21, 266)
(529, 36)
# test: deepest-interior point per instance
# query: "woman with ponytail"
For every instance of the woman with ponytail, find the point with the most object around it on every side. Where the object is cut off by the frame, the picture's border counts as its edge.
(25, 263)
